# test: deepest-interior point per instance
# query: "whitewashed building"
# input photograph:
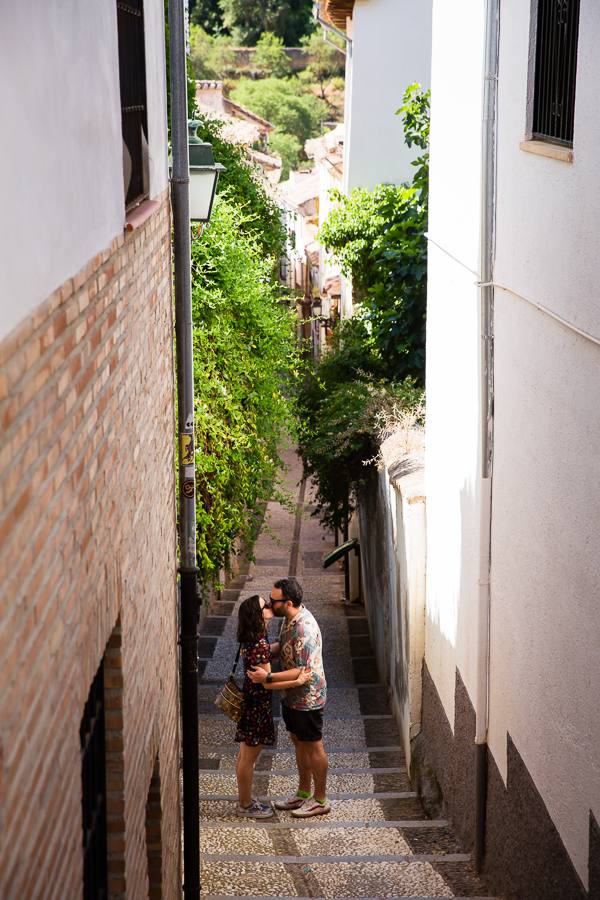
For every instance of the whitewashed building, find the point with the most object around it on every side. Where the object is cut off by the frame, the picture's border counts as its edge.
(513, 596)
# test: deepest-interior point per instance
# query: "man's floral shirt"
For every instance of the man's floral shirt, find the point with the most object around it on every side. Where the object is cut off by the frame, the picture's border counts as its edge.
(301, 644)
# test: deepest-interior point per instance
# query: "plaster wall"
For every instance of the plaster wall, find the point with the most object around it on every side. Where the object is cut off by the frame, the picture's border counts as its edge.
(391, 49)
(452, 463)
(61, 159)
(545, 681)
(391, 530)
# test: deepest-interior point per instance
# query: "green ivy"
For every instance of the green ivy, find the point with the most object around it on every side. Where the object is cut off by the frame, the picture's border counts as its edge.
(245, 353)
(375, 364)
(243, 184)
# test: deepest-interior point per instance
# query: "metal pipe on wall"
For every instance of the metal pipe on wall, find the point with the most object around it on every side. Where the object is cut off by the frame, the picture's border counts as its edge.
(180, 199)
(488, 188)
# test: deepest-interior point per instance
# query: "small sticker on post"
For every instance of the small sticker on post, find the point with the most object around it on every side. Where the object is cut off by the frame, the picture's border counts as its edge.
(191, 546)
(188, 472)
(186, 443)
(187, 489)
(189, 422)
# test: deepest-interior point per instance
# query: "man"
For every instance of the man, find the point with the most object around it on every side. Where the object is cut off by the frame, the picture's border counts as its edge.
(300, 644)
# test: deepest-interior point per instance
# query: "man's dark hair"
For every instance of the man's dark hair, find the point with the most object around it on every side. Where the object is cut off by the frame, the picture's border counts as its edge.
(290, 589)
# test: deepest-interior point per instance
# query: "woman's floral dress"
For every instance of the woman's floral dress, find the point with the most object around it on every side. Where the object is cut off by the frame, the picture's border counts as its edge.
(256, 725)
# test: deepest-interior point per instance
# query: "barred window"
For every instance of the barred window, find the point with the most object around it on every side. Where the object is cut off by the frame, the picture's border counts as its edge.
(555, 70)
(132, 77)
(93, 784)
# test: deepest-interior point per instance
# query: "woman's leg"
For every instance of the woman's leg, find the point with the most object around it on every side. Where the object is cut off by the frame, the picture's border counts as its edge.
(244, 770)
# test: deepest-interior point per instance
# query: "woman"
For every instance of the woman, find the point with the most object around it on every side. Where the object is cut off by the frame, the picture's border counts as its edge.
(255, 728)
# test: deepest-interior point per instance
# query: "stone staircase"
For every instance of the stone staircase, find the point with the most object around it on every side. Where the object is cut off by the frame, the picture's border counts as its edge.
(377, 841)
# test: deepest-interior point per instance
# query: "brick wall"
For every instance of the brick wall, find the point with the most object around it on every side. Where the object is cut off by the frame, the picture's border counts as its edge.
(88, 560)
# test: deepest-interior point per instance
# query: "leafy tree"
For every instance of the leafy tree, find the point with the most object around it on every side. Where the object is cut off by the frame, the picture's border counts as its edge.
(283, 103)
(341, 402)
(208, 15)
(270, 56)
(325, 61)
(378, 237)
(376, 361)
(210, 56)
(246, 20)
(288, 147)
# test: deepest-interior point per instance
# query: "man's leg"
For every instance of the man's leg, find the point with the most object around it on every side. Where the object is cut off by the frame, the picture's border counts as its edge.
(318, 765)
(303, 764)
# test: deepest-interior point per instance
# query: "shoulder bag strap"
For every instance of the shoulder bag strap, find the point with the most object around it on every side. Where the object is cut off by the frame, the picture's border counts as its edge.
(237, 657)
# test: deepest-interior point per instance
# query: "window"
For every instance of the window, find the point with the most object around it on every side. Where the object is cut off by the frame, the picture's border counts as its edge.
(555, 70)
(132, 77)
(93, 782)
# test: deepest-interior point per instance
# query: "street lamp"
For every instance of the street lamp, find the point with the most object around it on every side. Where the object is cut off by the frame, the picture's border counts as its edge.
(204, 175)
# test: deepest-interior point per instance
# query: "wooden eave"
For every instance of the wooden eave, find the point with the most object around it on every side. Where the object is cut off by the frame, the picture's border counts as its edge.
(337, 11)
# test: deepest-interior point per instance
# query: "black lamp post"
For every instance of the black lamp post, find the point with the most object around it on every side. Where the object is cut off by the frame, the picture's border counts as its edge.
(194, 203)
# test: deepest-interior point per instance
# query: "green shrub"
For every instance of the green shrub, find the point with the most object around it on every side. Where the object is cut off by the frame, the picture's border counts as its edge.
(245, 353)
(244, 186)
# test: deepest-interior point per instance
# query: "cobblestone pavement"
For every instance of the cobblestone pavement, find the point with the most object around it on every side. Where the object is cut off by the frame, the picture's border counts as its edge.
(376, 842)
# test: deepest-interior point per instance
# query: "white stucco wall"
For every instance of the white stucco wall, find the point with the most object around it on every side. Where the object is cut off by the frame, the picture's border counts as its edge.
(545, 627)
(61, 166)
(391, 49)
(452, 447)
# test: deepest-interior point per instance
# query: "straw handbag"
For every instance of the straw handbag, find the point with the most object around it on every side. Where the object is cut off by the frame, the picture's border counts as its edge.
(231, 698)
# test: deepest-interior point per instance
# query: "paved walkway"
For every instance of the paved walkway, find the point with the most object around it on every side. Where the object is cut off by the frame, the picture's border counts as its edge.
(377, 841)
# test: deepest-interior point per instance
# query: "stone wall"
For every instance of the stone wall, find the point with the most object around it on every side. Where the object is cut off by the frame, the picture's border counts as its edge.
(391, 530)
(88, 568)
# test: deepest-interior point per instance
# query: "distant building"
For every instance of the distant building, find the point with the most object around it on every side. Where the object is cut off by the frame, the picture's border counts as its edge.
(240, 126)
(89, 732)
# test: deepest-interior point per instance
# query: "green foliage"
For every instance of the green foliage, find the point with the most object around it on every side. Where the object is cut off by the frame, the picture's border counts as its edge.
(288, 148)
(270, 56)
(378, 237)
(415, 110)
(243, 184)
(375, 366)
(246, 20)
(340, 402)
(245, 353)
(207, 14)
(210, 56)
(284, 103)
(325, 61)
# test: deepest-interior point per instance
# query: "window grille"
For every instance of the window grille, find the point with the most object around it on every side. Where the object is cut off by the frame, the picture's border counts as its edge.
(93, 777)
(132, 77)
(555, 70)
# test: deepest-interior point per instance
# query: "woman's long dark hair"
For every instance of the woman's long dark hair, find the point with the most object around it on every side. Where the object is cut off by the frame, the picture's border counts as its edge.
(251, 625)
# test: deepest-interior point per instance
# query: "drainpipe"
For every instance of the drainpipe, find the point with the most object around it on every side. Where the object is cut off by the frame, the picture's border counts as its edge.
(180, 199)
(488, 184)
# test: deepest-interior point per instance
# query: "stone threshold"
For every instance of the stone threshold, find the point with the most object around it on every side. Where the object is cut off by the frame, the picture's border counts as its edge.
(304, 860)
(363, 770)
(300, 823)
(233, 750)
(361, 795)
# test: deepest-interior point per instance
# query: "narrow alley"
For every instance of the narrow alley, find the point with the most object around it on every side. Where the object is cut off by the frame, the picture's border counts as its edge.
(377, 840)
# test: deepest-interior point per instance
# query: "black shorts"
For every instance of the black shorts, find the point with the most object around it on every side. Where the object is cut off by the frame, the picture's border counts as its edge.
(306, 724)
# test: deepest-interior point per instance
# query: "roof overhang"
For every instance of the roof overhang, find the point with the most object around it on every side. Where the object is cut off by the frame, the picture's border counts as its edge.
(337, 11)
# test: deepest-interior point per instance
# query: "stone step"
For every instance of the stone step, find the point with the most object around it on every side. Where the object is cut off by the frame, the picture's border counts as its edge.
(361, 770)
(306, 860)
(332, 795)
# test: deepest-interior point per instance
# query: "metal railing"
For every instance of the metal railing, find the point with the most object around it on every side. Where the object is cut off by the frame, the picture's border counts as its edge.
(132, 77)
(555, 70)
